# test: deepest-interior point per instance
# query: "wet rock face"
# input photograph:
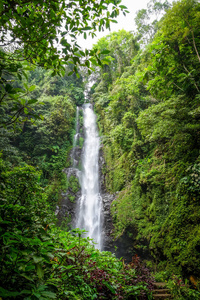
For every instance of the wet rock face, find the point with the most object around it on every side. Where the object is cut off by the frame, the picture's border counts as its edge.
(108, 228)
(107, 199)
(66, 212)
(77, 153)
(102, 181)
(107, 222)
(125, 246)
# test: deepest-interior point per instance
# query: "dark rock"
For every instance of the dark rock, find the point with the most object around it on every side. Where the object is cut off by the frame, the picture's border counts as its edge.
(107, 199)
(66, 212)
(107, 221)
(125, 246)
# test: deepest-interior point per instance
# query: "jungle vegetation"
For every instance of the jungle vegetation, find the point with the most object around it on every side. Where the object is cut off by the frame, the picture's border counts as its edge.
(146, 96)
(147, 101)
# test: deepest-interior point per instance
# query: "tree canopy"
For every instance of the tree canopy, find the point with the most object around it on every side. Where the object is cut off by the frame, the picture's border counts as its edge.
(33, 28)
(30, 33)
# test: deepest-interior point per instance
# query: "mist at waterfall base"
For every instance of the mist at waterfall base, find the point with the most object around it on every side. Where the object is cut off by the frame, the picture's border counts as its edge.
(89, 206)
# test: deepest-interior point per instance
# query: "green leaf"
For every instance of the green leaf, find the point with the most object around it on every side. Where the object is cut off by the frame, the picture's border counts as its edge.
(8, 88)
(18, 10)
(77, 54)
(105, 52)
(27, 277)
(82, 53)
(25, 292)
(32, 101)
(109, 286)
(68, 267)
(26, 111)
(49, 294)
(87, 63)
(40, 271)
(37, 259)
(87, 28)
(25, 85)
(23, 101)
(19, 76)
(106, 61)
(37, 295)
(6, 293)
(122, 6)
(19, 90)
(32, 88)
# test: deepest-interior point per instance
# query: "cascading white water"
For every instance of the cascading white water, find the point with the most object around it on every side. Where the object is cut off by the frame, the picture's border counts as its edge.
(89, 210)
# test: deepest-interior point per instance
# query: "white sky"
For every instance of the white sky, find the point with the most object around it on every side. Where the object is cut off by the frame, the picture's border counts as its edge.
(124, 22)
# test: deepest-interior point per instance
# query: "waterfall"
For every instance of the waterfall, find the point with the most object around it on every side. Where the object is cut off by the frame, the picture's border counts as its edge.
(89, 204)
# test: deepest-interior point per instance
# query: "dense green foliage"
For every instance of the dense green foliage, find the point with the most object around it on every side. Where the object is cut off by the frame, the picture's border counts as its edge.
(147, 102)
(45, 143)
(38, 261)
(149, 120)
(37, 26)
(37, 121)
(35, 33)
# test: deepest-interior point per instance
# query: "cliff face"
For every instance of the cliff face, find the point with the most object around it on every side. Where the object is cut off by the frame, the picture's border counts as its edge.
(126, 245)
(66, 211)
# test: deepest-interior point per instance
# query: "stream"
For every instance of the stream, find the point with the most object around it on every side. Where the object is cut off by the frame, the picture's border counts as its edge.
(89, 207)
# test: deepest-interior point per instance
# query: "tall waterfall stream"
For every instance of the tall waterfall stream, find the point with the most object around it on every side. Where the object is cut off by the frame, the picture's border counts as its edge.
(89, 208)
(84, 207)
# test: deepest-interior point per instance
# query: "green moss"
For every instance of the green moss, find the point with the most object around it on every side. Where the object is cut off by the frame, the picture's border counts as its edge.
(81, 141)
(71, 198)
(73, 184)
